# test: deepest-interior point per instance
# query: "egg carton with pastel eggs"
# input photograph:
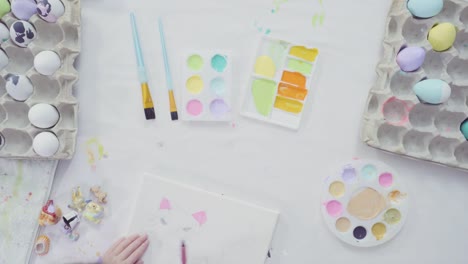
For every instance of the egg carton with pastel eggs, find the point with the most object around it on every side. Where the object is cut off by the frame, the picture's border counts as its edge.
(40, 41)
(418, 104)
(364, 203)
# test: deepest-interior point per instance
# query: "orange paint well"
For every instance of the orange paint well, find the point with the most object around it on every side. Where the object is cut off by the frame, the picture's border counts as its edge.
(291, 91)
(294, 78)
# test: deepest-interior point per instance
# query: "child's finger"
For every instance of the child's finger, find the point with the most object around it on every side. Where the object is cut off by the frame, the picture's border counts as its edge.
(125, 244)
(133, 246)
(139, 262)
(116, 243)
(137, 254)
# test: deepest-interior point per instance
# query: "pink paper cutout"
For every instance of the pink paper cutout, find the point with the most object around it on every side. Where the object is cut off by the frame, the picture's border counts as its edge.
(165, 204)
(200, 217)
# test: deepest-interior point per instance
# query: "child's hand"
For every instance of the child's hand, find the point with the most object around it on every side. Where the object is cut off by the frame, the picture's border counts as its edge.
(127, 250)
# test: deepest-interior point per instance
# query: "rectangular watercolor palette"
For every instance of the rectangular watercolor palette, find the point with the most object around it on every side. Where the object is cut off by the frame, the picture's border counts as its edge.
(280, 82)
(207, 85)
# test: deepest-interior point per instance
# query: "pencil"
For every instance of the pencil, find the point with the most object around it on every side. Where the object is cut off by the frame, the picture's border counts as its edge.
(172, 103)
(183, 253)
(145, 91)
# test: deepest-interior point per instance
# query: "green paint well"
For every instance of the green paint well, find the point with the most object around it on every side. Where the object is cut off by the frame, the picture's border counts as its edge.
(277, 51)
(195, 62)
(4, 8)
(300, 66)
(219, 63)
(263, 92)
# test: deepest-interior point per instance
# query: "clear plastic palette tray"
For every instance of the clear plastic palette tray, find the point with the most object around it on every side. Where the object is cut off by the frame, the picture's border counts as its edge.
(280, 82)
(395, 119)
(63, 38)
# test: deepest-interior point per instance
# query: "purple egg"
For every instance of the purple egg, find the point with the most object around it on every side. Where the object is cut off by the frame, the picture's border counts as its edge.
(23, 9)
(411, 58)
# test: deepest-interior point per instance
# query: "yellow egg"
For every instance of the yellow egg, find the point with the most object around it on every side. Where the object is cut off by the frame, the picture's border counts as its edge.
(442, 36)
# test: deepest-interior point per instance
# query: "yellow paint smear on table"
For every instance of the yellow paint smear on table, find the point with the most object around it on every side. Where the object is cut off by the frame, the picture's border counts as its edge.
(291, 91)
(304, 53)
(288, 105)
(294, 78)
(265, 66)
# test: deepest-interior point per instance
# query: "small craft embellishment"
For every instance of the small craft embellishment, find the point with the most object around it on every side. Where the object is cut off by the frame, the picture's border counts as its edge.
(78, 201)
(50, 214)
(70, 221)
(42, 245)
(100, 195)
(93, 212)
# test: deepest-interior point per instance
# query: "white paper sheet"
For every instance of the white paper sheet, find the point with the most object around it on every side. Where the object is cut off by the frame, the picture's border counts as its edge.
(216, 229)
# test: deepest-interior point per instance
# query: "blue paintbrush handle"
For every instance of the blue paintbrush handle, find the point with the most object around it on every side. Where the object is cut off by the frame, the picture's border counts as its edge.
(166, 60)
(138, 53)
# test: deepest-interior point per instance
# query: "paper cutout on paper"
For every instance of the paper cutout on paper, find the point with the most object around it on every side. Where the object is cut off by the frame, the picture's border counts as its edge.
(165, 204)
(200, 217)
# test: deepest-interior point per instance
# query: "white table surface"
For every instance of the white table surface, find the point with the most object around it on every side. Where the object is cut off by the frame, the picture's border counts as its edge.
(253, 161)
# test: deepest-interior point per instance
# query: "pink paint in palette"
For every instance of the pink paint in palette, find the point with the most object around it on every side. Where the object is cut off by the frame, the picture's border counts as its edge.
(206, 93)
(364, 203)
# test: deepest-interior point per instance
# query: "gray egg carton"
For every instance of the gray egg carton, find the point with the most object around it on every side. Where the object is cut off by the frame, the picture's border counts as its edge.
(63, 37)
(395, 120)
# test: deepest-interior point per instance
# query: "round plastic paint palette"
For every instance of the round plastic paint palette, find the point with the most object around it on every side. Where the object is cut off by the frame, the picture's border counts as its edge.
(364, 203)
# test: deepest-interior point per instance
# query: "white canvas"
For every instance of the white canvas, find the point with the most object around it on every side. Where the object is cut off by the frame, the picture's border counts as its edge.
(233, 232)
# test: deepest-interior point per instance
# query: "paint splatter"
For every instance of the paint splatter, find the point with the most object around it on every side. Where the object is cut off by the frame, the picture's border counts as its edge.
(269, 254)
(319, 17)
(165, 204)
(163, 221)
(200, 217)
(101, 153)
(277, 4)
(261, 29)
(29, 196)
(186, 229)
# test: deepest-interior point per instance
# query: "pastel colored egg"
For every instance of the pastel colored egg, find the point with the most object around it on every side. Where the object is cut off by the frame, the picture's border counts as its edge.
(4, 33)
(43, 115)
(46, 144)
(411, 58)
(47, 62)
(432, 91)
(22, 33)
(442, 36)
(23, 9)
(50, 10)
(3, 59)
(464, 128)
(19, 87)
(4, 7)
(425, 8)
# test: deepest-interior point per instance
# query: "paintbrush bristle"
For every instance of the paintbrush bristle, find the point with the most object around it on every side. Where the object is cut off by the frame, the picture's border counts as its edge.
(174, 116)
(149, 113)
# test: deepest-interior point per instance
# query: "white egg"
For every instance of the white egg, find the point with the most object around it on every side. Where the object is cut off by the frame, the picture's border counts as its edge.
(43, 115)
(46, 144)
(19, 87)
(50, 10)
(3, 59)
(47, 62)
(4, 33)
(22, 33)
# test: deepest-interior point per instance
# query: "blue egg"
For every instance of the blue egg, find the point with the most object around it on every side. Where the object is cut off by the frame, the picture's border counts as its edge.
(432, 91)
(425, 8)
(464, 128)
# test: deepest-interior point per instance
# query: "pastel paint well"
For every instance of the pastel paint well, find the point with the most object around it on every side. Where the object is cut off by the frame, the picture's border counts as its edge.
(300, 66)
(294, 78)
(369, 172)
(392, 216)
(219, 63)
(349, 174)
(218, 108)
(288, 105)
(263, 93)
(386, 179)
(396, 197)
(343, 224)
(194, 84)
(194, 107)
(195, 62)
(379, 230)
(265, 66)
(334, 208)
(218, 86)
(337, 189)
(304, 53)
(291, 91)
(360, 232)
(366, 204)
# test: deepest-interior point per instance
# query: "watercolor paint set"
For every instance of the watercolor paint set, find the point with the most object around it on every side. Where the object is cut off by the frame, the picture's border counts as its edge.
(364, 203)
(40, 41)
(280, 82)
(417, 105)
(207, 86)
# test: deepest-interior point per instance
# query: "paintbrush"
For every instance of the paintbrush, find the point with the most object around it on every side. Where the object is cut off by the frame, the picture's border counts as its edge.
(172, 103)
(146, 94)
